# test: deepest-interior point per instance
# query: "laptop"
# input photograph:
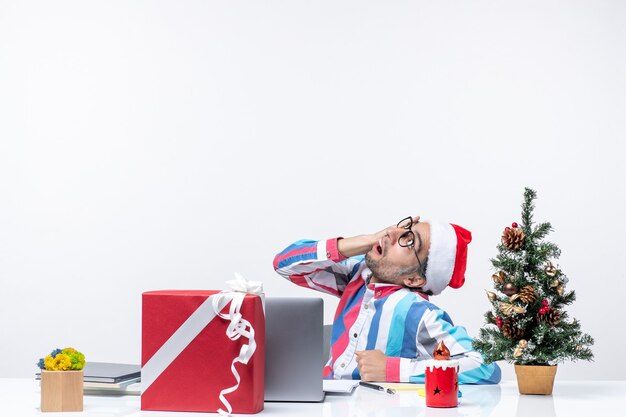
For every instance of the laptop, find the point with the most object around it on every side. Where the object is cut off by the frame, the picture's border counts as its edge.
(294, 349)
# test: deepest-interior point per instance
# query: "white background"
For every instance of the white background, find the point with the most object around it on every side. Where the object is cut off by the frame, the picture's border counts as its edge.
(161, 144)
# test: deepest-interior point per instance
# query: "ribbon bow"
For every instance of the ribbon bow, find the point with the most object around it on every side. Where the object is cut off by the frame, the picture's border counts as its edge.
(238, 327)
(240, 284)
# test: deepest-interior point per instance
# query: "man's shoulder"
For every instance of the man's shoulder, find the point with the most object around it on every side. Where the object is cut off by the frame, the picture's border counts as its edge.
(358, 266)
(356, 260)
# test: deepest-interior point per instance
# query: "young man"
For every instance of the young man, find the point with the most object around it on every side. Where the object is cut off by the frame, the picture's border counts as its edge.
(385, 327)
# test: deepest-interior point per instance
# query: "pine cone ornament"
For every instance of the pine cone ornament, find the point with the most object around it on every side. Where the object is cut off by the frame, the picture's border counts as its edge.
(513, 238)
(527, 295)
(510, 330)
(552, 317)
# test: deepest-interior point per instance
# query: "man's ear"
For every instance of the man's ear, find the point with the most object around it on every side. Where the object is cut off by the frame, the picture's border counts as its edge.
(414, 281)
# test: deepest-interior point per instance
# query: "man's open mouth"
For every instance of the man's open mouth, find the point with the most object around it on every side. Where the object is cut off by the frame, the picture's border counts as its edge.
(379, 248)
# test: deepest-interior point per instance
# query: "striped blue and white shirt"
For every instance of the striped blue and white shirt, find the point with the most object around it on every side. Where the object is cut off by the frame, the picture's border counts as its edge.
(401, 323)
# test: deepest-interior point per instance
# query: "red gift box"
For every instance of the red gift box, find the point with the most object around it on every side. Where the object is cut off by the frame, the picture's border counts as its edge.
(186, 354)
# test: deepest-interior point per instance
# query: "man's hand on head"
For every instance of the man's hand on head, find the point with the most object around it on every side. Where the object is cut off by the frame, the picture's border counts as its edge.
(372, 365)
(361, 244)
(378, 235)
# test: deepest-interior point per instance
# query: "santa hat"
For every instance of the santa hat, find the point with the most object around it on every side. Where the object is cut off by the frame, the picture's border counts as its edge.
(447, 256)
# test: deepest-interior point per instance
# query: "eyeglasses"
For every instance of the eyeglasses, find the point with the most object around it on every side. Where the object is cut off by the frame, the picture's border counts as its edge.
(407, 239)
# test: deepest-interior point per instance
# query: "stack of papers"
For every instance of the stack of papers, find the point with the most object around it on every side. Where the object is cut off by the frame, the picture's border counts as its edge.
(93, 388)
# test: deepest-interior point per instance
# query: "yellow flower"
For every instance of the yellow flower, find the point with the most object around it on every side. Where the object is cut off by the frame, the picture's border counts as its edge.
(48, 362)
(62, 362)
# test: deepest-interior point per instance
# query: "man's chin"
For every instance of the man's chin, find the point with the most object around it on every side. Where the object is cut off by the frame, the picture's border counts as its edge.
(375, 267)
(381, 272)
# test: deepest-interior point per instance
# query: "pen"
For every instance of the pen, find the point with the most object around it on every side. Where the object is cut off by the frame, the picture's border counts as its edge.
(377, 387)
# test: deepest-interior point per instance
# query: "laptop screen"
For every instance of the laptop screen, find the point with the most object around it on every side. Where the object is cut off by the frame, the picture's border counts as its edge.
(294, 349)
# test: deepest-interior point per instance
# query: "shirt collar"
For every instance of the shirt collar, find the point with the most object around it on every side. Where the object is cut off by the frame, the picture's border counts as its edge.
(383, 290)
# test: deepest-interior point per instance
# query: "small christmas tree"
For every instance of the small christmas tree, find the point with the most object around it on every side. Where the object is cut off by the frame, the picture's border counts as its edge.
(530, 326)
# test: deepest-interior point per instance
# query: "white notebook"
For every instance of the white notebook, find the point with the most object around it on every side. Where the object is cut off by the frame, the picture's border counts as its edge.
(339, 386)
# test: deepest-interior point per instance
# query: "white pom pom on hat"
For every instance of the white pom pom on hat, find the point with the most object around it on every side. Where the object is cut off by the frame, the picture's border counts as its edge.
(447, 256)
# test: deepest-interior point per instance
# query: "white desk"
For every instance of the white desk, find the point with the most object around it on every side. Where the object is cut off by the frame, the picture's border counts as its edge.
(20, 397)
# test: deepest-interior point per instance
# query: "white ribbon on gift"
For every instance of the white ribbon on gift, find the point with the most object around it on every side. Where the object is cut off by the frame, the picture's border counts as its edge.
(197, 321)
(237, 328)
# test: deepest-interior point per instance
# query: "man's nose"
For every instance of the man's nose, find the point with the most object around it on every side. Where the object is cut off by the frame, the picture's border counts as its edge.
(394, 234)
